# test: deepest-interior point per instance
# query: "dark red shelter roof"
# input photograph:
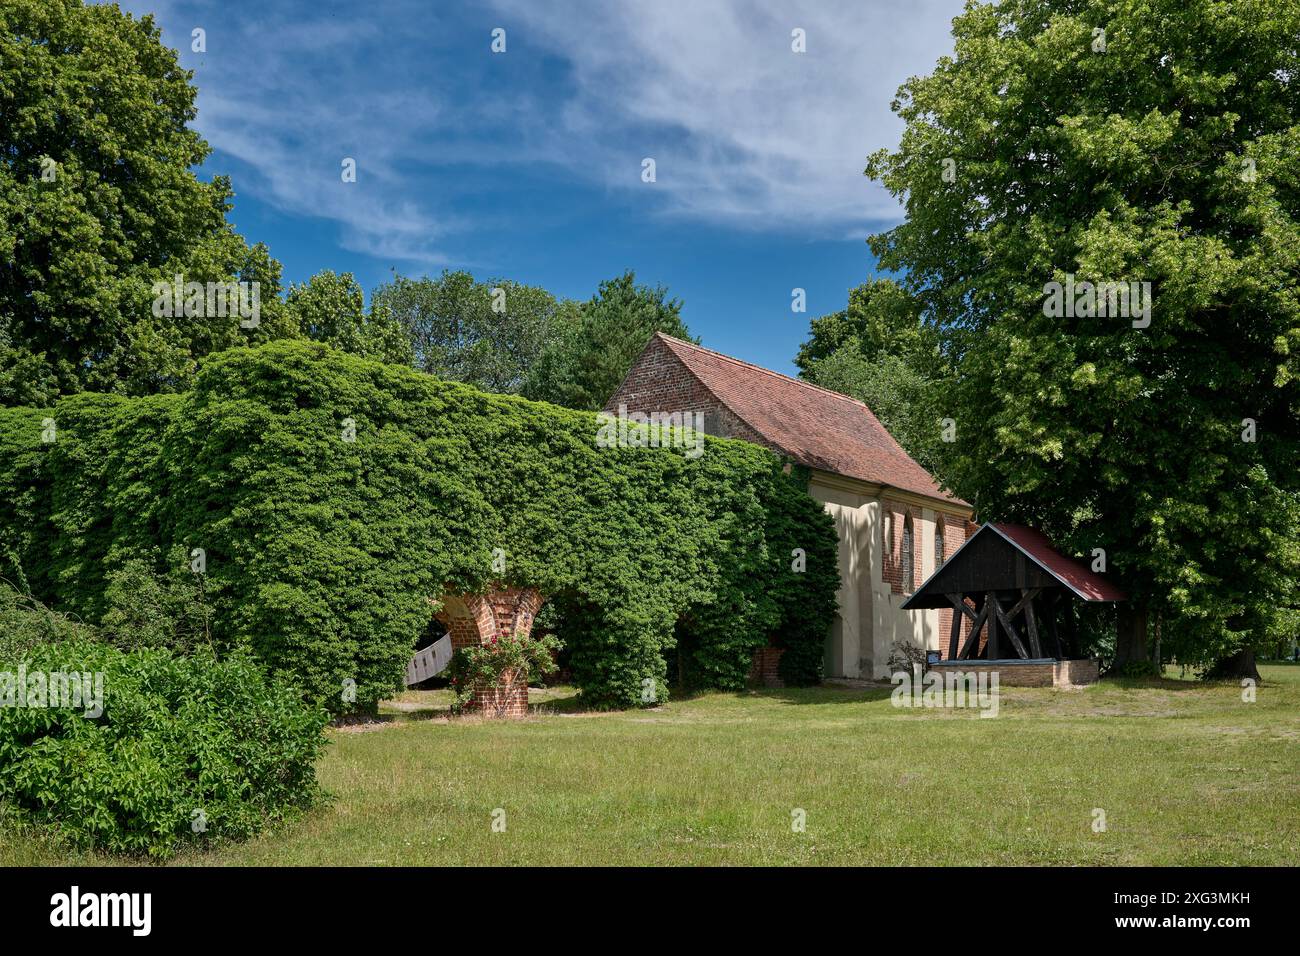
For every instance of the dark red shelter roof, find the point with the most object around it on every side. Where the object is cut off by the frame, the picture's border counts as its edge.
(1080, 579)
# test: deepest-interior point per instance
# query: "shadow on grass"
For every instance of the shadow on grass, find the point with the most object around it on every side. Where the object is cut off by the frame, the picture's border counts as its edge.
(825, 694)
(1114, 682)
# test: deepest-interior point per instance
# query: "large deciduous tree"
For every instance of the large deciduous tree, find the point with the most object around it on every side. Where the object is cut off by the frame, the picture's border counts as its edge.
(877, 350)
(1146, 141)
(488, 334)
(331, 308)
(98, 201)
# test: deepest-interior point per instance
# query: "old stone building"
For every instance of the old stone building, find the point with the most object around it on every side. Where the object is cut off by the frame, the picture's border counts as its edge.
(896, 526)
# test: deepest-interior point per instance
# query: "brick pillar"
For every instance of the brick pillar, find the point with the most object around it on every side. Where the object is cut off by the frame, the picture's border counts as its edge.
(764, 667)
(477, 618)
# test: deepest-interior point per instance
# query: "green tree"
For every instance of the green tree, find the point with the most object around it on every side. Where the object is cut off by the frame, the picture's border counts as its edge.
(485, 333)
(877, 350)
(1126, 140)
(98, 201)
(331, 308)
(590, 357)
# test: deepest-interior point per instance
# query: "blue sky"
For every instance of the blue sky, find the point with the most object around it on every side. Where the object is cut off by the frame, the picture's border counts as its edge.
(527, 164)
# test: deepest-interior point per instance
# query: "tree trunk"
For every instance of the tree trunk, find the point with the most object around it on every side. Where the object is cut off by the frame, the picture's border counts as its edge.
(1240, 664)
(1131, 636)
(1155, 654)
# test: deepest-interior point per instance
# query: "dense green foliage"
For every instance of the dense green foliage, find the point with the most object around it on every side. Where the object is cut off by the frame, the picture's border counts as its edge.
(25, 623)
(590, 355)
(98, 200)
(487, 334)
(877, 350)
(161, 752)
(1163, 150)
(331, 308)
(323, 553)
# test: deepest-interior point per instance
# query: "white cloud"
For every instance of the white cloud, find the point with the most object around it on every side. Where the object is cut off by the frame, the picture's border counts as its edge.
(287, 95)
(743, 130)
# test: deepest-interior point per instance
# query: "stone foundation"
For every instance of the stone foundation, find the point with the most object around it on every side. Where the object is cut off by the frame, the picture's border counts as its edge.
(1044, 672)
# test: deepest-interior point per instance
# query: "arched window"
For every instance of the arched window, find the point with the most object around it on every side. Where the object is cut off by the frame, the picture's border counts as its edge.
(938, 543)
(908, 582)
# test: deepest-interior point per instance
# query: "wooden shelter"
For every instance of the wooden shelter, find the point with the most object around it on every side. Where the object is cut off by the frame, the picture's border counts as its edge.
(1009, 581)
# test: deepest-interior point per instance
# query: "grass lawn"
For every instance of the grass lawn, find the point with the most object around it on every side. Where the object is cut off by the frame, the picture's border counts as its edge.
(1186, 773)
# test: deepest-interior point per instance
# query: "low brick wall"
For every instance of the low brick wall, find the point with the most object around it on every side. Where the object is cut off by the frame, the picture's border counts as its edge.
(1076, 673)
(764, 667)
(1036, 673)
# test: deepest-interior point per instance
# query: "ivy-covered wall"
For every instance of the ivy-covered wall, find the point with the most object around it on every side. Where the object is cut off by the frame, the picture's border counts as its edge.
(331, 498)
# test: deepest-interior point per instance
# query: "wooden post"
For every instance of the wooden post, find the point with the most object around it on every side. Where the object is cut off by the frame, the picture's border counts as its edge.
(957, 615)
(1009, 628)
(991, 601)
(977, 623)
(1032, 623)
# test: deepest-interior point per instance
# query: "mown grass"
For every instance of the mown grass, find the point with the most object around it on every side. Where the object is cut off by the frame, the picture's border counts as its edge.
(1186, 773)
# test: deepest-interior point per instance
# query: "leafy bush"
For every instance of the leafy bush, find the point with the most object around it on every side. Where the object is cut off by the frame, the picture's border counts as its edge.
(26, 624)
(185, 751)
(149, 609)
(333, 498)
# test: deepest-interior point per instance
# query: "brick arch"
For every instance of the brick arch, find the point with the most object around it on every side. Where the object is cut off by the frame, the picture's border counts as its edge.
(478, 618)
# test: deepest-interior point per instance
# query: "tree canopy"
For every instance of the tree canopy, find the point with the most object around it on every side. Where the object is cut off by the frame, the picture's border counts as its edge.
(586, 363)
(487, 334)
(98, 201)
(877, 350)
(1127, 141)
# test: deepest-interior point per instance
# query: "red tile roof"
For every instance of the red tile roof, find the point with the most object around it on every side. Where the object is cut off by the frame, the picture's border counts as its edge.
(815, 426)
(1084, 582)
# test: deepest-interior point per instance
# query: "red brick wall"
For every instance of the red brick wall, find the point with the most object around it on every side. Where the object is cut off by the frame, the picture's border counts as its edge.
(895, 514)
(764, 669)
(659, 382)
(508, 698)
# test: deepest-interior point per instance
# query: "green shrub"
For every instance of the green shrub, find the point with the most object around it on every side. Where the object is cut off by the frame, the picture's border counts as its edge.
(148, 608)
(26, 624)
(185, 751)
(323, 553)
(482, 665)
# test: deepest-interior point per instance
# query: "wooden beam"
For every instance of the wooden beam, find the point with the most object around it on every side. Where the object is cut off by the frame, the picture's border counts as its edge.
(955, 635)
(1011, 631)
(991, 600)
(1031, 622)
(973, 642)
(1026, 596)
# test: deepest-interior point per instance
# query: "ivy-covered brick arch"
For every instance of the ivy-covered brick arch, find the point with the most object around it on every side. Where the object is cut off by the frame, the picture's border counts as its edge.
(333, 498)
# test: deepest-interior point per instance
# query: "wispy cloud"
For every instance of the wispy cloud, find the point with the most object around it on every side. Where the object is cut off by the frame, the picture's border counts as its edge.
(744, 132)
(743, 129)
(289, 95)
